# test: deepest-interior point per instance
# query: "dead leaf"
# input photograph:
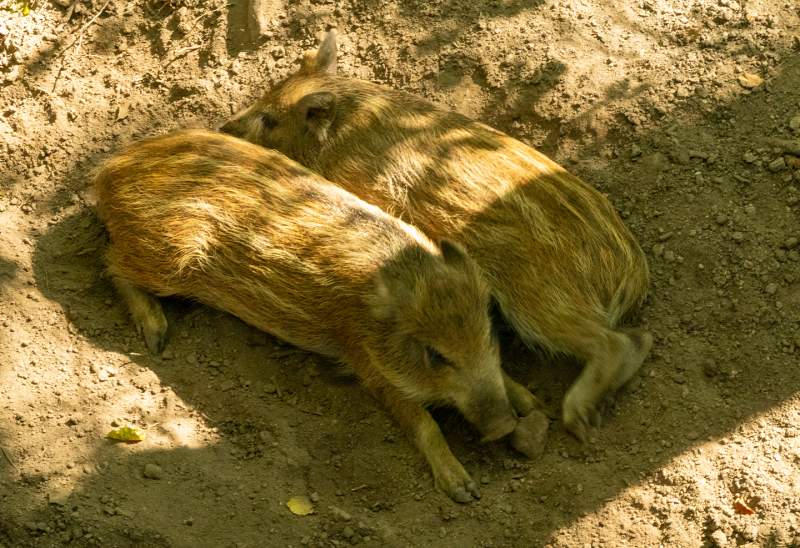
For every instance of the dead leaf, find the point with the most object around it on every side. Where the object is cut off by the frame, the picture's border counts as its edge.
(300, 506)
(126, 434)
(750, 81)
(742, 508)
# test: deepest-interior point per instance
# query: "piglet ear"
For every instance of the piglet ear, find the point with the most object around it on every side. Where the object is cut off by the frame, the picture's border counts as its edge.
(317, 111)
(322, 61)
(382, 301)
(391, 295)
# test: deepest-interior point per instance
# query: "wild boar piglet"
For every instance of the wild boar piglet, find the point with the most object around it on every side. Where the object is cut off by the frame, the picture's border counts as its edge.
(561, 264)
(210, 217)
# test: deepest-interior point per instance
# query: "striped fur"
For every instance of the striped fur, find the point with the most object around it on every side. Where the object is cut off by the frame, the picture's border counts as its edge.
(560, 262)
(210, 217)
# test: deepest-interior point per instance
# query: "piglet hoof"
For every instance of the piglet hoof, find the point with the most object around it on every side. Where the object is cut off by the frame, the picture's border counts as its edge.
(578, 416)
(154, 330)
(457, 484)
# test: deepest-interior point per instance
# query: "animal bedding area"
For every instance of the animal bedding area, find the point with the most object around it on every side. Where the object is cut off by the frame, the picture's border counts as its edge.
(685, 113)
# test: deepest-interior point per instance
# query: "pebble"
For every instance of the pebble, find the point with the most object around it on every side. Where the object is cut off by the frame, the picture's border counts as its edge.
(721, 219)
(738, 237)
(340, 514)
(749, 157)
(719, 539)
(530, 434)
(771, 288)
(790, 243)
(794, 123)
(153, 471)
(749, 80)
(778, 164)
(710, 368)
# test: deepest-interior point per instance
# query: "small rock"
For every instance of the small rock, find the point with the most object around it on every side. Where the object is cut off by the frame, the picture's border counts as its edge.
(13, 74)
(737, 237)
(348, 532)
(153, 471)
(710, 368)
(771, 288)
(721, 219)
(529, 435)
(719, 539)
(340, 514)
(749, 157)
(168, 354)
(635, 151)
(790, 243)
(749, 80)
(680, 156)
(314, 497)
(227, 385)
(776, 165)
(794, 123)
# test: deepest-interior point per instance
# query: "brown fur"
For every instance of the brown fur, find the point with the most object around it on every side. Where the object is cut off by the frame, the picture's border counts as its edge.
(563, 267)
(244, 229)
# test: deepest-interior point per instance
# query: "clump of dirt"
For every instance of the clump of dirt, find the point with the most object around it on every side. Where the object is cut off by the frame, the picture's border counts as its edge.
(687, 114)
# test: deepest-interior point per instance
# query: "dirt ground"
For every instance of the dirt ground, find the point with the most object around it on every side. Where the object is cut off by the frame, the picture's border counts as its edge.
(686, 112)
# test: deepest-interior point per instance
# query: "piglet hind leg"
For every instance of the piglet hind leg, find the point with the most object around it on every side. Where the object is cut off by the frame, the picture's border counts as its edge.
(146, 311)
(448, 473)
(612, 357)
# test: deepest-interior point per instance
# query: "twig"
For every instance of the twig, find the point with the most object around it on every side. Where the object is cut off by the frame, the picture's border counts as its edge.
(359, 488)
(180, 53)
(11, 462)
(84, 27)
(70, 11)
(309, 412)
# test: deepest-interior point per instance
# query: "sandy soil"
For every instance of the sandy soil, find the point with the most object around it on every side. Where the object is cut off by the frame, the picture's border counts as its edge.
(685, 112)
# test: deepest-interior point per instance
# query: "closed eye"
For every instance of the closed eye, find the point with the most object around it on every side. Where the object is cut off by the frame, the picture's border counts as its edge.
(436, 359)
(268, 121)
